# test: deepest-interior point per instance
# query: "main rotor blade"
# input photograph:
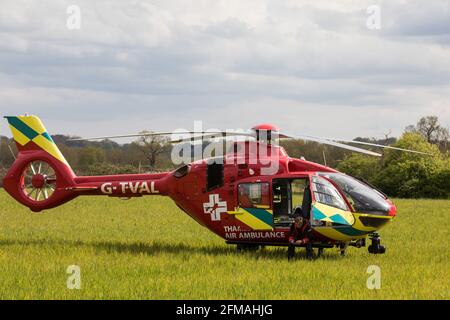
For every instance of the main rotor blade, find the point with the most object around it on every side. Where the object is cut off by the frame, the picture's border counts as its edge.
(207, 136)
(226, 134)
(377, 145)
(334, 144)
(149, 134)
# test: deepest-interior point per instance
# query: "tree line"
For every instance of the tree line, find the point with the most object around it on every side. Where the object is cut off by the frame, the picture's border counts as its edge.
(399, 174)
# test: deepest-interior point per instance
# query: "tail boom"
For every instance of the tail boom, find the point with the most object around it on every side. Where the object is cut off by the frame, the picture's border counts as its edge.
(41, 178)
(126, 186)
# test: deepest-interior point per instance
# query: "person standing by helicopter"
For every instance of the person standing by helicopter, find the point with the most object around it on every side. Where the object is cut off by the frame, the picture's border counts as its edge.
(299, 234)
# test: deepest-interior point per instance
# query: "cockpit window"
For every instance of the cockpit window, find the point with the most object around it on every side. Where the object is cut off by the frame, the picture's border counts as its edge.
(326, 193)
(362, 197)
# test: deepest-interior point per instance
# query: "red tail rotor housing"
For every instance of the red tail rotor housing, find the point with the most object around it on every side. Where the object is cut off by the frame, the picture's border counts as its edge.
(39, 181)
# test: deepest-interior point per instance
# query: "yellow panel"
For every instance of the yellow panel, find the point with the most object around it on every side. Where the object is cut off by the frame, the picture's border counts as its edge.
(49, 147)
(331, 211)
(358, 224)
(253, 222)
(34, 123)
(19, 137)
(243, 211)
(250, 220)
(329, 232)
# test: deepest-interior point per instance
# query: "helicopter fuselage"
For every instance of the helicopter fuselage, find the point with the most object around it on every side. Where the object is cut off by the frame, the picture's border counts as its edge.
(231, 197)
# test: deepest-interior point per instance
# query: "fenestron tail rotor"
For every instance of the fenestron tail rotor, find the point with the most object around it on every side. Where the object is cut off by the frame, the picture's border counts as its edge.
(38, 181)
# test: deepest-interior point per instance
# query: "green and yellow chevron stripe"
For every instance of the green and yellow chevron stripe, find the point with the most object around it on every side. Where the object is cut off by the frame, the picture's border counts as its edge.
(255, 218)
(26, 129)
(331, 214)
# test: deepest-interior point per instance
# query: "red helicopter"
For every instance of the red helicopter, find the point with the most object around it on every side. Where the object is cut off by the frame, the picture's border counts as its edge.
(248, 195)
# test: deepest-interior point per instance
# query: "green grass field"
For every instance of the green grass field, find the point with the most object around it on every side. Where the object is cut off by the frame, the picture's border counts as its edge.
(148, 249)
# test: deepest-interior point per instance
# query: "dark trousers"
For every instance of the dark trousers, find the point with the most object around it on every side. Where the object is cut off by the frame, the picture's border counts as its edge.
(291, 251)
(309, 251)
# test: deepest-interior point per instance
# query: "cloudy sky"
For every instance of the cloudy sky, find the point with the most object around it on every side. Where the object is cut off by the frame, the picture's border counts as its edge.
(310, 67)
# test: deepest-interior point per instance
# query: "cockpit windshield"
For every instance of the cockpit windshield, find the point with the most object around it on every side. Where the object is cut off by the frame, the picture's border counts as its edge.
(362, 197)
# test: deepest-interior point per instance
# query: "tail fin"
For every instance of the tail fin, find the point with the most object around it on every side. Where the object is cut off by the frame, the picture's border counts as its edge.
(30, 134)
(40, 177)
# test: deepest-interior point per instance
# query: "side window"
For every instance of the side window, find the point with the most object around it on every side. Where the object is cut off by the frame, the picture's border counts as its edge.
(326, 193)
(254, 195)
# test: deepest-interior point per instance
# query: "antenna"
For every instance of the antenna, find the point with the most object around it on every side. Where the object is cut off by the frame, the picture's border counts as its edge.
(12, 153)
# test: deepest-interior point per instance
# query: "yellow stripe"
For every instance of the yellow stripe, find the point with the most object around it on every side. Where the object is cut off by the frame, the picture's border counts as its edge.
(250, 220)
(50, 148)
(333, 234)
(358, 224)
(18, 136)
(34, 123)
(331, 211)
(329, 232)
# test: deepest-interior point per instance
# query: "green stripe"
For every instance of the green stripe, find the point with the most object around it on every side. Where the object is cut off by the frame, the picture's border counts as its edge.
(318, 215)
(47, 136)
(337, 218)
(350, 231)
(22, 127)
(261, 214)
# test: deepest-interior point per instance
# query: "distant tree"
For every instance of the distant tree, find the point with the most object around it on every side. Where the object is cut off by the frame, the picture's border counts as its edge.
(314, 152)
(109, 168)
(3, 172)
(6, 146)
(403, 174)
(387, 141)
(411, 175)
(152, 147)
(431, 130)
(361, 166)
(90, 156)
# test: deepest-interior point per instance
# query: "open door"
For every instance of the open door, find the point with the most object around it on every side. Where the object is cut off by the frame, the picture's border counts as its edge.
(290, 196)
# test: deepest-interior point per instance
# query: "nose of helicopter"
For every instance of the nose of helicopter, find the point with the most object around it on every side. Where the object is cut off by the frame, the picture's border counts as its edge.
(392, 210)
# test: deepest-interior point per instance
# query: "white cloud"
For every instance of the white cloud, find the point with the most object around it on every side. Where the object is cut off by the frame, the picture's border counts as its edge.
(311, 65)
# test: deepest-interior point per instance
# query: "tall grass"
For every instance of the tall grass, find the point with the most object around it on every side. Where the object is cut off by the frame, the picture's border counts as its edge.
(148, 249)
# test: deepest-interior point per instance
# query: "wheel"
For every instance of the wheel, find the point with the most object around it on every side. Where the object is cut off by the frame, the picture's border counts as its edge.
(376, 247)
